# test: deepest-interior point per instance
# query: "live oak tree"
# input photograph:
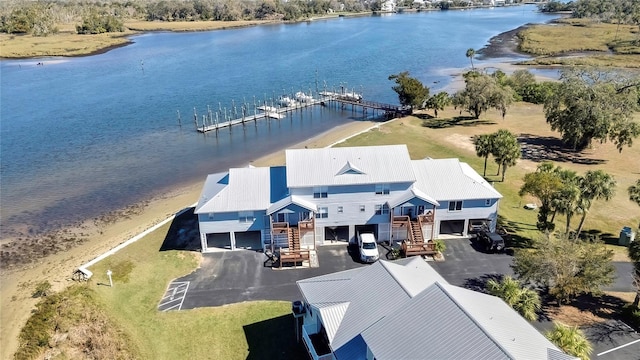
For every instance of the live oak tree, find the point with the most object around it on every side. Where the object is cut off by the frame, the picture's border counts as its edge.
(589, 105)
(410, 90)
(634, 192)
(481, 93)
(566, 268)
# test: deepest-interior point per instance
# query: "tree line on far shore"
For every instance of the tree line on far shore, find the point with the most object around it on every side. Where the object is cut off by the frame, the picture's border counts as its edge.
(40, 18)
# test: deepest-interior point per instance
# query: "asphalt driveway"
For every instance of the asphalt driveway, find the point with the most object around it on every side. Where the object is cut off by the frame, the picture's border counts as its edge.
(234, 276)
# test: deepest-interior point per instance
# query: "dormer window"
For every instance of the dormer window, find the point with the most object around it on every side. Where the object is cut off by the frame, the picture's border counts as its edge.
(320, 192)
(382, 189)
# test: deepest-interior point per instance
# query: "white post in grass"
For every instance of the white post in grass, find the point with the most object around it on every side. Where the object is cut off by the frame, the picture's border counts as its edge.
(109, 275)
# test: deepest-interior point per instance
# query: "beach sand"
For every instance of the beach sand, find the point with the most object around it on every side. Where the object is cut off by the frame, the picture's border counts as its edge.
(17, 285)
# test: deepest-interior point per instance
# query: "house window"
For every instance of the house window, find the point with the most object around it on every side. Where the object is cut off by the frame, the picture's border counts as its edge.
(340, 209)
(320, 192)
(382, 209)
(487, 202)
(245, 216)
(362, 208)
(323, 213)
(382, 189)
(210, 216)
(455, 205)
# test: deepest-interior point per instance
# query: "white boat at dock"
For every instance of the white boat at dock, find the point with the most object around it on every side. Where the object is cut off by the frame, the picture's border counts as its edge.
(286, 101)
(271, 112)
(303, 98)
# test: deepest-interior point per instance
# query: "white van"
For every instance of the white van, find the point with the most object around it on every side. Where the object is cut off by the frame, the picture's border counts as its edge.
(368, 248)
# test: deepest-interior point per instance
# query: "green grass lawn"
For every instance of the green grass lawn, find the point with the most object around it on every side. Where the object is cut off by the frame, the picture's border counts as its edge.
(141, 273)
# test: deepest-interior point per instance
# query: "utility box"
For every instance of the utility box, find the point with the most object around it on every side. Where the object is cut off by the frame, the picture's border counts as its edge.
(626, 236)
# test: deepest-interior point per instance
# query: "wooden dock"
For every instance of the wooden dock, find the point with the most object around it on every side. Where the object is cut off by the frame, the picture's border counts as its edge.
(278, 112)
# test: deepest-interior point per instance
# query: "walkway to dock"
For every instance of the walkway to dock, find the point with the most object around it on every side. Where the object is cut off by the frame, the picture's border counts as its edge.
(302, 101)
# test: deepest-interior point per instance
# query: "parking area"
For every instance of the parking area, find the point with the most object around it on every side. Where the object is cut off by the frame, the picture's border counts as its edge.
(613, 340)
(174, 296)
(227, 277)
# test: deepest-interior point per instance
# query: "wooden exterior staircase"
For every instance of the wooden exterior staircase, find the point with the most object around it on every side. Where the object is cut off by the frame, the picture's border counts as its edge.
(416, 232)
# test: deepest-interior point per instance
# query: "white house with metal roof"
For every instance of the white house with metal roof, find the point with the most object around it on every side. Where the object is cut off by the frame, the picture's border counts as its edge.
(406, 310)
(332, 194)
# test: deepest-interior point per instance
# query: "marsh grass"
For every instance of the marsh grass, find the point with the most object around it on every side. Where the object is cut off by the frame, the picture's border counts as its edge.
(584, 42)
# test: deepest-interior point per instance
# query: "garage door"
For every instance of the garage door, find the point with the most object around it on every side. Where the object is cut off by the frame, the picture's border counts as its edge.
(452, 227)
(249, 240)
(219, 240)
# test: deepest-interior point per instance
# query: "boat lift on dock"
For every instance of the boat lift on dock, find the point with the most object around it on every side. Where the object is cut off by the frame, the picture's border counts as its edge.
(286, 104)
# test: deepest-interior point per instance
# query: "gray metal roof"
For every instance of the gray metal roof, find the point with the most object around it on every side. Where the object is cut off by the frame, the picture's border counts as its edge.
(292, 199)
(406, 310)
(348, 166)
(431, 326)
(519, 338)
(449, 179)
(332, 315)
(247, 189)
(212, 186)
(410, 194)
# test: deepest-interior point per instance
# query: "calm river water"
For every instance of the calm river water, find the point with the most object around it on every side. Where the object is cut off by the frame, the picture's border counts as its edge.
(83, 136)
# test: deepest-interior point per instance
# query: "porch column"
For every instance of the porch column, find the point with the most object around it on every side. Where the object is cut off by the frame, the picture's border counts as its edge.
(203, 242)
(232, 238)
(352, 232)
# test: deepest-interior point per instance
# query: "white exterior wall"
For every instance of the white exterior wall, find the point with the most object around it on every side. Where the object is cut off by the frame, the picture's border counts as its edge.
(350, 198)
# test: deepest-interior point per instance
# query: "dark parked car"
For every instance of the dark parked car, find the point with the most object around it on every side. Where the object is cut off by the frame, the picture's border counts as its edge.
(492, 242)
(476, 226)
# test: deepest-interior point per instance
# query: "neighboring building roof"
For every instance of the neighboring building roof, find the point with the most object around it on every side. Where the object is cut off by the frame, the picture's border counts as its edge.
(348, 166)
(247, 189)
(213, 185)
(450, 179)
(292, 199)
(409, 194)
(406, 310)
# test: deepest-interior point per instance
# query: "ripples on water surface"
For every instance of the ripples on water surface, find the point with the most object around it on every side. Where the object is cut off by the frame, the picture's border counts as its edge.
(82, 136)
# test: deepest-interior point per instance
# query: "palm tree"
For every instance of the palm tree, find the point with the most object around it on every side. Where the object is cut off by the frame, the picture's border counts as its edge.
(567, 202)
(525, 301)
(569, 179)
(634, 192)
(505, 149)
(594, 185)
(571, 340)
(470, 54)
(484, 147)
